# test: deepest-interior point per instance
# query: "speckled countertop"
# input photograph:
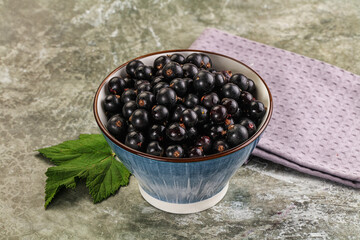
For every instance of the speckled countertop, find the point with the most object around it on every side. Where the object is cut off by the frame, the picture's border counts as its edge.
(53, 55)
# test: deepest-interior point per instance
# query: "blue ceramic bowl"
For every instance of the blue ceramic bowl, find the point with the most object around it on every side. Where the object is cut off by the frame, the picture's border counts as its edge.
(185, 185)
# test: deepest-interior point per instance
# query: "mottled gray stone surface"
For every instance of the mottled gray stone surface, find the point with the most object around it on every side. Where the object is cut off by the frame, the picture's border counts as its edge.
(53, 55)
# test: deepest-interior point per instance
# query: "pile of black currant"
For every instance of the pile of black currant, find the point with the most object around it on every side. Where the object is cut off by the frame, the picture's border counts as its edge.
(181, 107)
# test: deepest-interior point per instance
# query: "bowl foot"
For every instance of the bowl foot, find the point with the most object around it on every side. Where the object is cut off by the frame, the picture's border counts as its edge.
(181, 208)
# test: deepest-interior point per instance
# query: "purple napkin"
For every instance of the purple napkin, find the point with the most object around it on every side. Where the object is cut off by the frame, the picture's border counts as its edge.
(315, 126)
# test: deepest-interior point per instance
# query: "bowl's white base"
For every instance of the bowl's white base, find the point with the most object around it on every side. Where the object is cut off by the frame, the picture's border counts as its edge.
(184, 208)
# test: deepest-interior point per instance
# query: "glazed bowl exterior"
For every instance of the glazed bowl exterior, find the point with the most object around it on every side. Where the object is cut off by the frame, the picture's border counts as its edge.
(185, 181)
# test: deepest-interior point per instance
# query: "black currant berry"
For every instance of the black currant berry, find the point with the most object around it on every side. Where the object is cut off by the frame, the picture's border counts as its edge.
(112, 103)
(143, 87)
(220, 146)
(196, 152)
(257, 109)
(180, 86)
(236, 134)
(230, 104)
(129, 82)
(144, 72)
(132, 66)
(140, 119)
(145, 100)
(191, 100)
(128, 109)
(128, 95)
(172, 70)
(160, 62)
(191, 133)
(206, 61)
(217, 131)
(204, 142)
(190, 70)
(202, 113)
(116, 126)
(210, 100)
(156, 80)
(219, 79)
(177, 113)
(174, 151)
(196, 59)
(189, 118)
(160, 113)
(157, 132)
(134, 140)
(204, 82)
(218, 114)
(166, 97)
(176, 132)
(249, 124)
(176, 57)
(159, 86)
(116, 85)
(251, 87)
(240, 80)
(154, 148)
(245, 99)
(230, 90)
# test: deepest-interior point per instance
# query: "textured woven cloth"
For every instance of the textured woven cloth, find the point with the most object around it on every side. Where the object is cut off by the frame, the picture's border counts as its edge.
(315, 126)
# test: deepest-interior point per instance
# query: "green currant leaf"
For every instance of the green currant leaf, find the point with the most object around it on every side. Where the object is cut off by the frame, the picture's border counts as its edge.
(89, 158)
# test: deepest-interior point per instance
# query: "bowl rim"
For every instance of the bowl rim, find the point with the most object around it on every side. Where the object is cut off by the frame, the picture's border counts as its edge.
(181, 160)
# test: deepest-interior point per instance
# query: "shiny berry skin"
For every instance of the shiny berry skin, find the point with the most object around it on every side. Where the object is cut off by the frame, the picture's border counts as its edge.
(217, 131)
(230, 104)
(218, 114)
(190, 70)
(112, 103)
(116, 85)
(156, 80)
(210, 100)
(245, 99)
(159, 86)
(154, 148)
(172, 70)
(145, 100)
(177, 112)
(204, 82)
(128, 95)
(230, 90)
(128, 109)
(144, 72)
(145, 86)
(219, 79)
(132, 66)
(220, 146)
(161, 61)
(116, 126)
(176, 57)
(191, 100)
(204, 142)
(251, 87)
(166, 97)
(196, 59)
(130, 127)
(249, 124)
(160, 113)
(180, 86)
(236, 134)
(140, 119)
(257, 109)
(135, 140)
(174, 151)
(202, 113)
(157, 133)
(176, 132)
(191, 133)
(196, 152)
(237, 115)
(240, 80)
(189, 118)
(206, 61)
(129, 82)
